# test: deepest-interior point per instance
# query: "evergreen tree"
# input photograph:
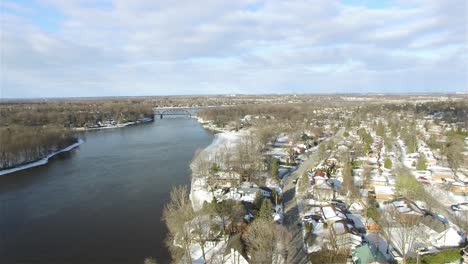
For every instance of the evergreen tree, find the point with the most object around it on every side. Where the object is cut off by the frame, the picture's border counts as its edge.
(388, 163)
(421, 163)
(380, 131)
(274, 169)
(266, 210)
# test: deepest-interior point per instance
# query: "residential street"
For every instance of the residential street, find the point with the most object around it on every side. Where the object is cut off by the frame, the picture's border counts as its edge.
(297, 253)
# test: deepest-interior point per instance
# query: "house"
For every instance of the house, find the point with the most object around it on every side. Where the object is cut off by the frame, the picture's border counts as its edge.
(378, 180)
(225, 179)
(459, 188)
(356, 207)
(248, 194)
(371, 225)
(331, 214)
(405, 208)
(252, 192)
(383, 192)
(266, 192)
(324, 191)
(441, 173)
(442, 236)
(345, 235)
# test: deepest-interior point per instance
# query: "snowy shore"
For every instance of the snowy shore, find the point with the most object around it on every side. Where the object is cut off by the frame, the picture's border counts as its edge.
(224, 140)
(42, 161)
(120, 125)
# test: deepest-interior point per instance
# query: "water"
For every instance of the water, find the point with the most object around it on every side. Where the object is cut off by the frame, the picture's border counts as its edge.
(101, 203)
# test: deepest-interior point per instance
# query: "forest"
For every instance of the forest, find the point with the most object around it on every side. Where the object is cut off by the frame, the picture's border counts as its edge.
(31, 130)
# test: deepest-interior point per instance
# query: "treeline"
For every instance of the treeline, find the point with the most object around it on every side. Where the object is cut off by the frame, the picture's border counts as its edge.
(19, 144)
(31, 130)
(76, 113)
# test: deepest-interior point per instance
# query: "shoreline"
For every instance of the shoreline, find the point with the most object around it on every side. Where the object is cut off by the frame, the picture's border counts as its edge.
(45, 160)
(41, 161)
(131, 123)
(223, 138)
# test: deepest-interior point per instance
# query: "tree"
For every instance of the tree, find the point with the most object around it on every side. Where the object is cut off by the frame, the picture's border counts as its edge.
(409, 137)
(380, 131)
(322, 151)
(176, 214)
(402, 231)
(215, 168)
(421, 163)
(343, 156)
(406, 185)
(274, 169)
(266, 210)
(349, 188)
(303, 182)
(388, 163)
(258, 200)
(202, 231)
(267, 242)
(454, 151)
(200, 163)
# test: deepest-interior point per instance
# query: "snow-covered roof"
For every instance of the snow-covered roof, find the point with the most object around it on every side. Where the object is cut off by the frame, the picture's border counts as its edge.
(448, 238)
(384, 189)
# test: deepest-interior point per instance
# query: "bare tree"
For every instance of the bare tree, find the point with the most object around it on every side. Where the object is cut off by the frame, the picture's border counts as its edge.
(401, 230)
(203, 230)
(267, 242)
(200, 163)
(176, 214)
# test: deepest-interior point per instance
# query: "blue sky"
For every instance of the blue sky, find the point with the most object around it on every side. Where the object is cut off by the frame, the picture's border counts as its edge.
(67, 48)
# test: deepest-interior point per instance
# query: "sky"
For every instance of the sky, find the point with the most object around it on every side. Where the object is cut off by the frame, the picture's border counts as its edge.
(84, 48)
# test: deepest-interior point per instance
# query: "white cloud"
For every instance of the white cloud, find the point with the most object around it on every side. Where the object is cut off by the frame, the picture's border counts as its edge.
(179, 47)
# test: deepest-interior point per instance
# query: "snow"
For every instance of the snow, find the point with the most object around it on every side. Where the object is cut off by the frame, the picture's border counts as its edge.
(211, 250)
(199, 192)
(448, 238)
(328, 212)
(356, 206)
(41, 161)
(224, 140)
(339, 228)
(384, 189)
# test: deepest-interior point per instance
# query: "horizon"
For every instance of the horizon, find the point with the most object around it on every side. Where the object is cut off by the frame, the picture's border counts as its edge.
(117, 48)
(234, 95)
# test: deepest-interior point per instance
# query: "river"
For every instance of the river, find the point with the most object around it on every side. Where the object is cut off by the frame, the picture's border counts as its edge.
(102, 202)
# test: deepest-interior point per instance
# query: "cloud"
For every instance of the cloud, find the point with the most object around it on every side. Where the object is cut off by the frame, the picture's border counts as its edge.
(65, 48)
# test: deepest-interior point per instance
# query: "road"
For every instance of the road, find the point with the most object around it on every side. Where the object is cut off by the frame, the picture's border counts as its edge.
(296, 252)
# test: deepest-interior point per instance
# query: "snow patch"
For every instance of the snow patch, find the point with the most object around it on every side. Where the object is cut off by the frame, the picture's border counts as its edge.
(42, 161)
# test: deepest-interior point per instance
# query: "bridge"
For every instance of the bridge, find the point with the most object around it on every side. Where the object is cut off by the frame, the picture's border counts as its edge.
(161, 112)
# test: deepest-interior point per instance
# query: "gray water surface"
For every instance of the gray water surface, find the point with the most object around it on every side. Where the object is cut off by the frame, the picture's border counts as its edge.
(102, 202)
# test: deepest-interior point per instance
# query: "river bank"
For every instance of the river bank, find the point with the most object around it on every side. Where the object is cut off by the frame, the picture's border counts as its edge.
(41, 161)
(45, 160)
(112, 126)
(225, 139)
